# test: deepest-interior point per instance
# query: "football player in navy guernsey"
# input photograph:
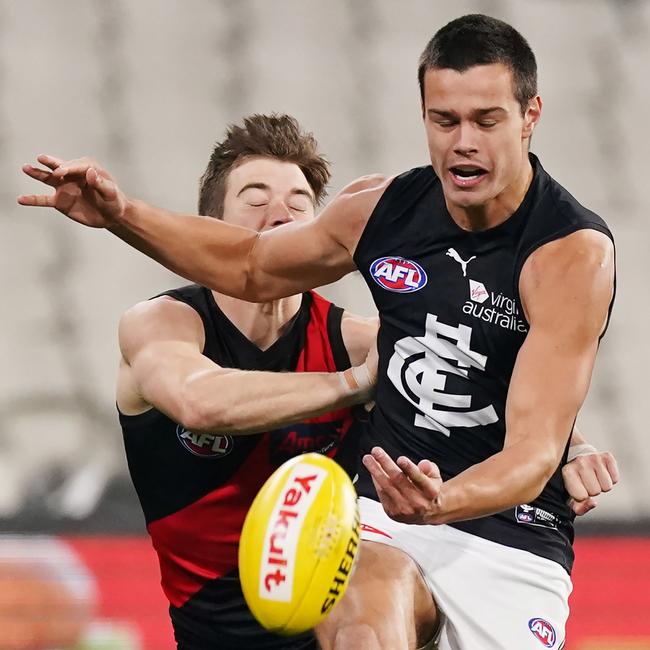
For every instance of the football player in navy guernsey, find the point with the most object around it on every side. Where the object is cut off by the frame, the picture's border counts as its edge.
(494, 287)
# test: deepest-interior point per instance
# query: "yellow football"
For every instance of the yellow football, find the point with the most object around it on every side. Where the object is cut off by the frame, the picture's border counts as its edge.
(299, 544)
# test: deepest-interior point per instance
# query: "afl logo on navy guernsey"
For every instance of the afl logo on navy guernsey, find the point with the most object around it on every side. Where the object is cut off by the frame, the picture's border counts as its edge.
(398, 274)
(543, 631)
(206, 445)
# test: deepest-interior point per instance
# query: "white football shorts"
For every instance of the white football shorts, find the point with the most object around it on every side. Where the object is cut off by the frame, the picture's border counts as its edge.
(489, 596)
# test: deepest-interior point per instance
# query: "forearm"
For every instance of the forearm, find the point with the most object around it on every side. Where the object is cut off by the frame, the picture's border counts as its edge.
(244, 402)
(201, 249)
(513, 476)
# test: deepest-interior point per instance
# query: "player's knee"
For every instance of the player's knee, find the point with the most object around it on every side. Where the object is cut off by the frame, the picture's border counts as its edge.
(360, 636)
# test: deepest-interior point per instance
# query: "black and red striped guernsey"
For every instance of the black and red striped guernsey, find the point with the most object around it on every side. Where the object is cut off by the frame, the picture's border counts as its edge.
(195, 489)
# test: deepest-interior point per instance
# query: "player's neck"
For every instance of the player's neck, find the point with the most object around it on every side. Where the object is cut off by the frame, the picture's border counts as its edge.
(261, 323)
(498, 209)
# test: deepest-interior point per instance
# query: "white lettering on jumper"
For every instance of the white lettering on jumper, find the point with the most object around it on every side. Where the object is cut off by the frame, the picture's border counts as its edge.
(420, 367)
(396, 272)
(501, 310)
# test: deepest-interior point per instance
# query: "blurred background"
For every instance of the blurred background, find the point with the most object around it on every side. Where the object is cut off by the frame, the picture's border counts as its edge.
(146, 88)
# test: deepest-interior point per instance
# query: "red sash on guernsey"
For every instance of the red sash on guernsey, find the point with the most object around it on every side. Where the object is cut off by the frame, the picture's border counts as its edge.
(198, 543)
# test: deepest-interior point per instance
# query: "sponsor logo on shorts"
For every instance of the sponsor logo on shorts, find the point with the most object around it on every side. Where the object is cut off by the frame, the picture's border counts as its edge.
(366, 528)
(543, 631)
(206, 445)
(398, 274)
(283, 531)
(525, 514)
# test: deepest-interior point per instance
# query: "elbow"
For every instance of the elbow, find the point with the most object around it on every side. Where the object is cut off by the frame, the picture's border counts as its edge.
(539, 477)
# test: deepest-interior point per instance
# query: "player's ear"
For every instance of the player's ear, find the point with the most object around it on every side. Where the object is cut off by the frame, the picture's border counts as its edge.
(532, 116)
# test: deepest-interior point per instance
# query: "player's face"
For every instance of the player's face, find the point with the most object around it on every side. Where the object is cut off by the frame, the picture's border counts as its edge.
(262, 193)
(476, 133)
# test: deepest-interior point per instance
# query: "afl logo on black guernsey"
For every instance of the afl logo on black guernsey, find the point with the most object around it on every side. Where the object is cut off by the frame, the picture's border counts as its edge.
(206, 445)
(398, 274)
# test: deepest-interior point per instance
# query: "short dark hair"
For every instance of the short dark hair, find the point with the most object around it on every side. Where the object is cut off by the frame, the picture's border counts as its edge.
(273, 136)
(476, 39)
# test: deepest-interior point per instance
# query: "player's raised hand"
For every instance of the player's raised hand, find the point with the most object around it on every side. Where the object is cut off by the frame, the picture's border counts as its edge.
(408, 492)
(83, 191)
(586, 476)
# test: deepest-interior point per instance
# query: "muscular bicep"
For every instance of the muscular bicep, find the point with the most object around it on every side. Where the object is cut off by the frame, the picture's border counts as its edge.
(566, 289)
(161, 343)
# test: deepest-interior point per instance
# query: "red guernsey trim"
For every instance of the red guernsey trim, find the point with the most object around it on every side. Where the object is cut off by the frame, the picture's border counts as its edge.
(199, 543)
(316, 355)
(366, 528)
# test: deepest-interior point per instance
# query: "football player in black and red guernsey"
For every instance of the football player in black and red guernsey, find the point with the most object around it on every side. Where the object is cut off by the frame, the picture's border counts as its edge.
(201, 438)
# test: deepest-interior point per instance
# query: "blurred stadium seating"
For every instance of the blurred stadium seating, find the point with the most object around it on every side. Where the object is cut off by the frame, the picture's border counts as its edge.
(146, 87)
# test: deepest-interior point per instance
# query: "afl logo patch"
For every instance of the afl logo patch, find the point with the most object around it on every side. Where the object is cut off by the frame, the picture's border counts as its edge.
(206, 445)
(543, 631)
(398, 274)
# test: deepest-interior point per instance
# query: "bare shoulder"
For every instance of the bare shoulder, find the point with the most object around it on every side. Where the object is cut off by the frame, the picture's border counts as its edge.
(347, 214)
(586, 248)
(359, 334)
(159, 319)
(571, 274)
(368, 183)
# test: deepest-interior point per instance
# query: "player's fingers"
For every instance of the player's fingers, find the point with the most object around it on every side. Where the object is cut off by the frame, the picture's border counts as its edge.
(392, 491)
(37, 200)
(42, 175)
(430, 469)
(582, 507)
(105, 187)
(573, 483)
(77, 167)
(390, 497)
(603, 477)
(612, 466)
(377, 473)
(387, 464)
(49, 161)
(590, 480)
(423, 482)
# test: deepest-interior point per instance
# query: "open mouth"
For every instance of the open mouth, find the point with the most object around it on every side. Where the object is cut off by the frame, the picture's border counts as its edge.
(467, 175)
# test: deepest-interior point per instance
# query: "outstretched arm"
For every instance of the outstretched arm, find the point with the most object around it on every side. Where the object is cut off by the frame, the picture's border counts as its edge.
(163, 366)
(230, 259)
(566, 288)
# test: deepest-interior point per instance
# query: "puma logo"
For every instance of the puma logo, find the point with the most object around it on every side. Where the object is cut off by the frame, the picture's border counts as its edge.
(451, 252)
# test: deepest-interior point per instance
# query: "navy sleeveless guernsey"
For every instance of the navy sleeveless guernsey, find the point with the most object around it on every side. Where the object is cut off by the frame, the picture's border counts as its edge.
(451, 327)
(195, 489)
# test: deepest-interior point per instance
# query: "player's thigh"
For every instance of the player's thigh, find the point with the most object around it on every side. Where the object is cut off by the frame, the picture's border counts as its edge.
(387, 605)
(497, 598)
